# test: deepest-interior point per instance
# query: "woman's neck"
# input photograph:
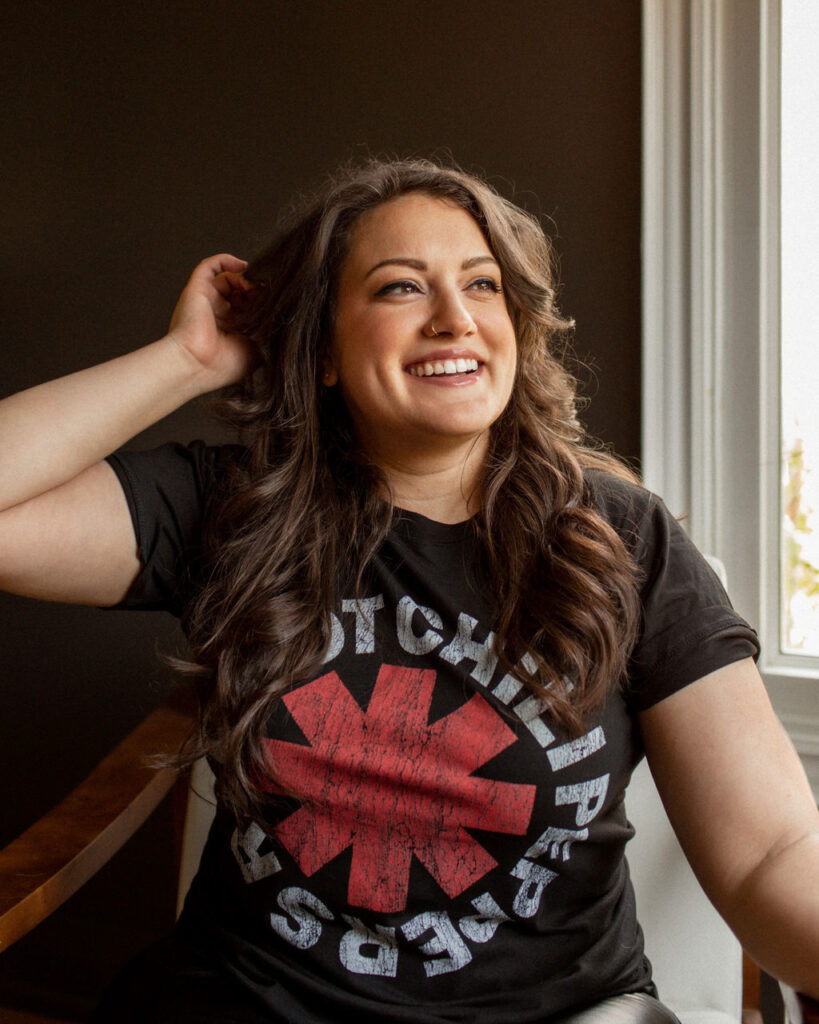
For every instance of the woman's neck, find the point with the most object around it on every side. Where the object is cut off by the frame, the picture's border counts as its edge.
(444, 486)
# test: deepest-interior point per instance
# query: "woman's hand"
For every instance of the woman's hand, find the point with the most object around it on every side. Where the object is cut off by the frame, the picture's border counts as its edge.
(203, 324)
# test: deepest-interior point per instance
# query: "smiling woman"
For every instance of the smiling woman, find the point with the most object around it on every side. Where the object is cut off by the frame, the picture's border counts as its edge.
(426, 363)
(432, 631)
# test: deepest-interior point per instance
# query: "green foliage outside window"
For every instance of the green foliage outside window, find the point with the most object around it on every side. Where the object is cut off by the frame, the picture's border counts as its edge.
(800, 574)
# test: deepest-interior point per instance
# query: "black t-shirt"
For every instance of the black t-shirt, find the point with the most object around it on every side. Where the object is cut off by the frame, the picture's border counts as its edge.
(455, 855)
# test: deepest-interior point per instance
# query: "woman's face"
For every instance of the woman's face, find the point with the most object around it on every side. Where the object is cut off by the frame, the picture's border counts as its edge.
(423, 347)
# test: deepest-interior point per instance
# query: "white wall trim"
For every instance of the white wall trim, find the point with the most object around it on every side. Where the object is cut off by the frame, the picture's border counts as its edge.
(665, 242)
(711, 306)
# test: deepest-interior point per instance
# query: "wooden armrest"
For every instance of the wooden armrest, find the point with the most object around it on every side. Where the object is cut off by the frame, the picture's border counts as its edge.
(798, 1008)
(59, 853)
(809, 1008)
(782, 1005)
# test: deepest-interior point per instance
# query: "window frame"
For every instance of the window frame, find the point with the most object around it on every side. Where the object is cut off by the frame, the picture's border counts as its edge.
(710, 290)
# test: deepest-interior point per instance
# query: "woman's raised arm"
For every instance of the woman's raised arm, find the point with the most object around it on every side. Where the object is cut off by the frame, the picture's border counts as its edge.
(65, 532)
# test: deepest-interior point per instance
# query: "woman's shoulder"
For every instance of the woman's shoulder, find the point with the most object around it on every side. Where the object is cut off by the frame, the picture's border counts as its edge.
(636, 514)
(175, 475)
(620, 498)
(198, 456)
(222, 462)
(209, 457)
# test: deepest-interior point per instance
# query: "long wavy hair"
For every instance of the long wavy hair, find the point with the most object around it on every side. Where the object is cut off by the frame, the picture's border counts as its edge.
(302, 515)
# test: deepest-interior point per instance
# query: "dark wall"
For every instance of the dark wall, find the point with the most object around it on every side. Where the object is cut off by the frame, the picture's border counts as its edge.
(139, 138)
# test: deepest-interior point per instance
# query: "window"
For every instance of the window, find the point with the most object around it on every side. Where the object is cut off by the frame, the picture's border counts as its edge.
(717, 309)
(799, 275)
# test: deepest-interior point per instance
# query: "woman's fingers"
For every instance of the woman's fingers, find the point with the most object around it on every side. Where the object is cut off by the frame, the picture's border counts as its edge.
(228, 282)
(221, 263)
(211, 299)
(217, 279)
(221, 307)
(221, 271)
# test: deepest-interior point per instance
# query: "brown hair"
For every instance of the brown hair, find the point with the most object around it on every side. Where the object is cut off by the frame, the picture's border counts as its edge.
(304, 513)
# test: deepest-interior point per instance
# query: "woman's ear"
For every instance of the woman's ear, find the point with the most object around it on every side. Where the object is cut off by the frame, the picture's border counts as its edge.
(329, 376)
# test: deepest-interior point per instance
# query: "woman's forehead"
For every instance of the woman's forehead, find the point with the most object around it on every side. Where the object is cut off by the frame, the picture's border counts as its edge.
(414, 225)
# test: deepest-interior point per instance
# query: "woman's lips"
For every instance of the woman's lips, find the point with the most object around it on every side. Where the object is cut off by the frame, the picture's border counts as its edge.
(443, 367)
(445, 379)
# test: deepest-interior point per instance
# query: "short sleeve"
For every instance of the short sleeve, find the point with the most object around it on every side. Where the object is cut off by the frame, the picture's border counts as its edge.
(169, 491)
(689, 627)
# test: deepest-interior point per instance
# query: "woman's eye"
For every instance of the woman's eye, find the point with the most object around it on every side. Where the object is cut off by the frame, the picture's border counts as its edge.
(482, 284)
(485, 284)
(398, 288)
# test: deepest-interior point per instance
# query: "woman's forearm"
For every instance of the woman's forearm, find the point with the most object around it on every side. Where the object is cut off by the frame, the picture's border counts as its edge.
(776, 915)
(53, 431)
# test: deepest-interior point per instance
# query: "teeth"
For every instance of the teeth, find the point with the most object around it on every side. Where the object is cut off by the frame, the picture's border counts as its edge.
(448, 366)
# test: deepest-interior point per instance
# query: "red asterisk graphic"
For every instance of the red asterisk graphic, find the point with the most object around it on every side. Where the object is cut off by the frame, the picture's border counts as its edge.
(393, 786)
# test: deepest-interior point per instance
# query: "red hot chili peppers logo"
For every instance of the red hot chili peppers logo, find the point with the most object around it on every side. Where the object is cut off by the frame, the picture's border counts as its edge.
(394, 787)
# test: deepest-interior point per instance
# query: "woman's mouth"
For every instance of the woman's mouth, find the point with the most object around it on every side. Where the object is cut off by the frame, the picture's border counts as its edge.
(443, 367)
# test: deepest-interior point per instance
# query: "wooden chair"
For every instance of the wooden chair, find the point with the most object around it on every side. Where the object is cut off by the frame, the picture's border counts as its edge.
(62, 851)
(51, 860)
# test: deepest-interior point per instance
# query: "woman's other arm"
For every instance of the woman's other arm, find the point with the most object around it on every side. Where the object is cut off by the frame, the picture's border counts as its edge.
(65, 530)
(743, 810)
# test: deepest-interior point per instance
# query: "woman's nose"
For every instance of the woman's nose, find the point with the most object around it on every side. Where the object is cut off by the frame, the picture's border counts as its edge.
(450, 316)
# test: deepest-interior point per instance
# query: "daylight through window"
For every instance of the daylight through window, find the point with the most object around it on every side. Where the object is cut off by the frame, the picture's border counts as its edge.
(799, 572)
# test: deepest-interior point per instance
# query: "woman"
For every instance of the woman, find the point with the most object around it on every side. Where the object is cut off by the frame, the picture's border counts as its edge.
(432, 633)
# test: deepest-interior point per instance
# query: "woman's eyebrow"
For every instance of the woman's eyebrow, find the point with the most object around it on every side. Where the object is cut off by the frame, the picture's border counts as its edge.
(408, 261)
